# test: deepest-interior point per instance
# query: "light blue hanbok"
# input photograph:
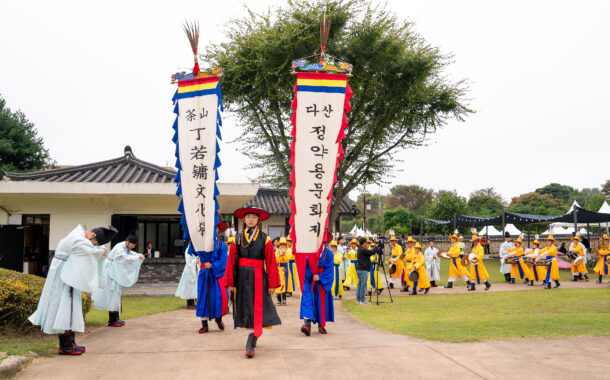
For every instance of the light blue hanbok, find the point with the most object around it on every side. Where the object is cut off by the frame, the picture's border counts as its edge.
(123, 268)
(187, 288)
(74, 268)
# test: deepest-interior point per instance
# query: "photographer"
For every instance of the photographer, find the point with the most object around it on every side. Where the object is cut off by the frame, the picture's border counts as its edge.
(363, 267)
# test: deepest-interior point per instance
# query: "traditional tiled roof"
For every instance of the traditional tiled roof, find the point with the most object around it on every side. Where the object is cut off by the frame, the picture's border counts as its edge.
(277, 202)
(125, 169)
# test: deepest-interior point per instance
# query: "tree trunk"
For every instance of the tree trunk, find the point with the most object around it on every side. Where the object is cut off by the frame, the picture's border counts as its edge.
(334, 208)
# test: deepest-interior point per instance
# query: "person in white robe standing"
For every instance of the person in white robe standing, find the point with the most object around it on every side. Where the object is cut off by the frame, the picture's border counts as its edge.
(122, 268)
(504, 267)
(433, 263)
(187, 287)
(74, 268)
(345, 262)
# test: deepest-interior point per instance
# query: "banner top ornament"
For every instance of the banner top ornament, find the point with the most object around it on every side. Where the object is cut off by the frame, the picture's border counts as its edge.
(325, 63)
(192, 33)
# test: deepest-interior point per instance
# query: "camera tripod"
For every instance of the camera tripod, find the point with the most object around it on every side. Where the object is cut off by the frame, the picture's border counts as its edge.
(377, 264)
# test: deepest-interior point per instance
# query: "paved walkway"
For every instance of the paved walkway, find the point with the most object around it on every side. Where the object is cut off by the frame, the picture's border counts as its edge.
(167, 346)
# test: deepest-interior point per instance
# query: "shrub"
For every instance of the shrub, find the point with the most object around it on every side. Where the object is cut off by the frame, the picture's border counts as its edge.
(19, 295)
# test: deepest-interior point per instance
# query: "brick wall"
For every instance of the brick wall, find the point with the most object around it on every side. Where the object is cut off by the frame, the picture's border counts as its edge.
(161, 271)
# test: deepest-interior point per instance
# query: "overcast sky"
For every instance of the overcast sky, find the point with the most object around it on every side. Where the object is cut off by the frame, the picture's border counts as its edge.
(95, 77)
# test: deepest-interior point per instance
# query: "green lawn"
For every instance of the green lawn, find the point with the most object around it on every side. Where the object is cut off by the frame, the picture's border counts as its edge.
(497, 315)
(15, 344)
(136, 307)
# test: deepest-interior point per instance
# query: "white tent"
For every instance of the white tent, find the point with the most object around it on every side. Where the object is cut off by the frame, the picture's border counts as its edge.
(605, 208)
(360, 232)
(575, 204)
(490, 231)
(512, 230)
(555, 230)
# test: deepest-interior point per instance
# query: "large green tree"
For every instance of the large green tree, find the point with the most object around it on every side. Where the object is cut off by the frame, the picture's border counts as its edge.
(539, 204)
(606, 188)
(484, 205)
(403, 221)
(445, 205)
(21, 149)
(413, 197)
(401, 92)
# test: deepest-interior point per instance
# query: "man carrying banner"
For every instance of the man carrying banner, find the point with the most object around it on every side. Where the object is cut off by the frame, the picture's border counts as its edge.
(212, 297)
(317, 298)
(252, 276)
(122, 268)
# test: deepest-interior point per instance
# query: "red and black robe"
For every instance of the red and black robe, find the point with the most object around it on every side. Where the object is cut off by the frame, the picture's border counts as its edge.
(252, 270)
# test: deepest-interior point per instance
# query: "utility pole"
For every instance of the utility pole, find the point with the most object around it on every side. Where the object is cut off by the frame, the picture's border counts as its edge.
(364, 213)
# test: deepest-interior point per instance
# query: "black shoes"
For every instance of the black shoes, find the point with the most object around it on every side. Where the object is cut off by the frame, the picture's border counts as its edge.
(250, 344)
(471, 287)
(487, 285)
(220, 323)
(204, 327)
(306, 327)
(66, 345)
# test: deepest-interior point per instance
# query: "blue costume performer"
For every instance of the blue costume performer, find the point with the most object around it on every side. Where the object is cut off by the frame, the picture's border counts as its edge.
(212, 295)
(317, 298)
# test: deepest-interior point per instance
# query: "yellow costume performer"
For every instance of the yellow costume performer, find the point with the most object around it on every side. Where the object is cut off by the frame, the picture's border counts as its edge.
(455, 265)
(419, 264)
(282, 256)
(518, 269)
(601, 268)
(537, 272)
(578, 267)
(351, 277)
(337, 289)
(549, 253)
(395, 259)
(409, 256)
(478, 272)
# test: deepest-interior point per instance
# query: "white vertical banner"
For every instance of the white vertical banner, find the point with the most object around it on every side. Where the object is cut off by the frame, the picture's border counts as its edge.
(197, 122)
(319, 121)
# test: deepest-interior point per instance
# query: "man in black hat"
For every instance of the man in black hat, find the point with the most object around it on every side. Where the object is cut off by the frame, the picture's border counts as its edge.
(433, 263)
(74, 269)
(504, 267)
(122, 268)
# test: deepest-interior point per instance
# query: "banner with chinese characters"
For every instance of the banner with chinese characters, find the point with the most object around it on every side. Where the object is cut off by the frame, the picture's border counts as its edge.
(198, 103)
(318, 120)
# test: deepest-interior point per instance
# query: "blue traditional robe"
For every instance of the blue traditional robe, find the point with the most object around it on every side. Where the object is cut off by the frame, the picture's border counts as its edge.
(123, 268)
(74, 268)
(212, 295)
(317, 303)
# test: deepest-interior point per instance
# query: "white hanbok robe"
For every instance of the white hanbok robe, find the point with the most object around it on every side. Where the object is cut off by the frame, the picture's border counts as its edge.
(433, 263)
(74, 268)
(345, 262)
(123, 268)
(505, 268)
(187, 287)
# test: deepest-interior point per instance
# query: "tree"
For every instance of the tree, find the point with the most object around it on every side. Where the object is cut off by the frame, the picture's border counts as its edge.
(413, 197)
(606, 188)
(401, 93)
(444, 206)
(484, 205)
(562, 192)
(401, 220)
(20, 147)
(595, 202)
(488, 192)
(539, 204)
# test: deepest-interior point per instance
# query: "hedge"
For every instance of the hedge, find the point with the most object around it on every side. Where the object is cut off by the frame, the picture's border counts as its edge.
(19, 295)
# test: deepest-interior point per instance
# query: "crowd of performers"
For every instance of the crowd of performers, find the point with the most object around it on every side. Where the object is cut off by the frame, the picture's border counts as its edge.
(252, 270)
